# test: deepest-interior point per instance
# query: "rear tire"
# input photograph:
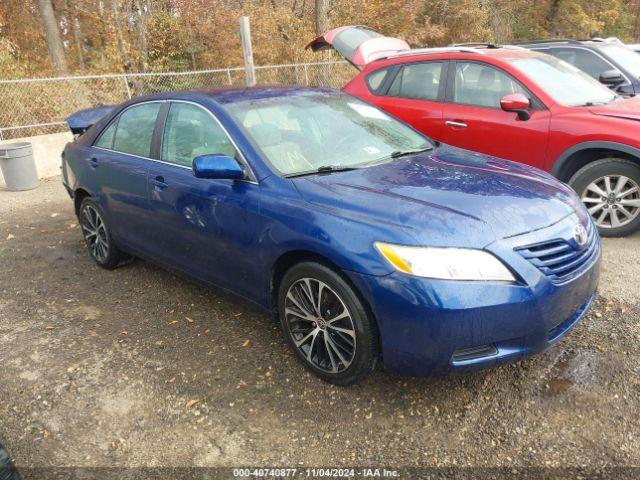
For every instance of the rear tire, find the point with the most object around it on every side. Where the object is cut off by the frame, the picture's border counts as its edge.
(326, 324)
(97, 236)
(610, 189)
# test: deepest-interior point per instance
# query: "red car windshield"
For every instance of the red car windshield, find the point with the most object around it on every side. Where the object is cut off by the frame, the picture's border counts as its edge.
(565, 83)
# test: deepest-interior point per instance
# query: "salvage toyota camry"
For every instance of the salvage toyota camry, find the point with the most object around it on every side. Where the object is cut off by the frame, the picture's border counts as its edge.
(368, 240)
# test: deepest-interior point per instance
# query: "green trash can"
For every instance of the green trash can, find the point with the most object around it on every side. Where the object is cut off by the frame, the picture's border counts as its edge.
(18, 166)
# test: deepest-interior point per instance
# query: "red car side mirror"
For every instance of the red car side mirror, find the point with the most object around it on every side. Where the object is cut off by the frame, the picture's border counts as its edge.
(518, 103)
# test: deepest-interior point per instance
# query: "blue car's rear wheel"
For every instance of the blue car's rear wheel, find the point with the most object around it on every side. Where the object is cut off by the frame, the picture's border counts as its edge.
(97, 236)
(327, 325)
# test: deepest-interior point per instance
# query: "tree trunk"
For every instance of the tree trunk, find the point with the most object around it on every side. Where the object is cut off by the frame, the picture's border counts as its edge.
(124, 56)
(322, 16)
(142, 33)
(71, 13)
(52, 35)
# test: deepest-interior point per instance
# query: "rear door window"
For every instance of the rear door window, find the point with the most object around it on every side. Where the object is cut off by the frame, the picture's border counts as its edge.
(585, 60)
(135, 129)
(419, 81)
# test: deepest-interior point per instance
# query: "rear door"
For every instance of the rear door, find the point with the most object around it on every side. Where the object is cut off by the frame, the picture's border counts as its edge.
(119, 160)
(359, 45)
(473, 119)
(414, 92)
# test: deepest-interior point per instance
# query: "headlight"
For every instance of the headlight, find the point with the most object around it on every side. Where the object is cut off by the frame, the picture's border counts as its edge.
(446, 263)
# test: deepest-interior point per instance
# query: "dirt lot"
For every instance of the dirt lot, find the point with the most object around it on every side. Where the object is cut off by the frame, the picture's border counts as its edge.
(137, 367)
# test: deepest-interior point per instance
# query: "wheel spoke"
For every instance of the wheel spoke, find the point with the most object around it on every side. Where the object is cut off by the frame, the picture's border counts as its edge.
(631, 203)
(304, 339)
(601, 218)
(628, 192)
(349, 332)
(615, 221)
(626, 212)
(607, 184)
(341, 316)
(336, 350)
(596, 189)
(591, 200)
(313, 341)
(622, 181)
(334, 366)
(596, 208)
(302, 316)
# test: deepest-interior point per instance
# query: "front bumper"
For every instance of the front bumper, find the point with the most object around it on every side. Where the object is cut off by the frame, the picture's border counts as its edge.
(437, 326)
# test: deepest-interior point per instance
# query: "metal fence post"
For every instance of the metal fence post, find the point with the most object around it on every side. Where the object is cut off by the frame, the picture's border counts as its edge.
(247, 51)
(126, 85)
(229, 76)
(306, 74)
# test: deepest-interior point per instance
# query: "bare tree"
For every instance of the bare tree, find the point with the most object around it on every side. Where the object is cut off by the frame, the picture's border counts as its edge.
(52, 36)
(322, 16)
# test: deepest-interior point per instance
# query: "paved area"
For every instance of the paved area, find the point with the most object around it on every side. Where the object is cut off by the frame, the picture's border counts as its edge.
(138, 367)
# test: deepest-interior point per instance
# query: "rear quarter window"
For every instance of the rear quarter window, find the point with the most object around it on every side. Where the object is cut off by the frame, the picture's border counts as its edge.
(375, 80)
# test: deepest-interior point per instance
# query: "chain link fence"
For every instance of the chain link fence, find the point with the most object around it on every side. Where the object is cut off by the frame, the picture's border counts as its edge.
(39, 106)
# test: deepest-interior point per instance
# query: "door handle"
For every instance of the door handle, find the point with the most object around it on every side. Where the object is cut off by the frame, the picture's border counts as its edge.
(93, 162)
(159, 184)
(455, 124)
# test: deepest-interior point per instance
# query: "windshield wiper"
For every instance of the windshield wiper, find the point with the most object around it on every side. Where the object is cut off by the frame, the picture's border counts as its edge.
(321, 170)
(402, 153)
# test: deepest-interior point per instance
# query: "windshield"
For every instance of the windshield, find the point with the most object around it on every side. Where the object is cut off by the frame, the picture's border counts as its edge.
(624, 56)
(565, 83)
(303, 132)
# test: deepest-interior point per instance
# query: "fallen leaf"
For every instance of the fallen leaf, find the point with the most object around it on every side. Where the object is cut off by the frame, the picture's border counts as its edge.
(159, 344)
(172, 322)
(598, 315)
(49, 327)
(172, 379)
(189, 320)
(191, 403)
(54, 215)
(246, 343)
(72, 368)
(124, 333)
(10, 236)
(237, 314)
(45, 433)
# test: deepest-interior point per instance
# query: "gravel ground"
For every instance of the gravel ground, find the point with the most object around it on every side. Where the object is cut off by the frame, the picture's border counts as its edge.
(140, 368)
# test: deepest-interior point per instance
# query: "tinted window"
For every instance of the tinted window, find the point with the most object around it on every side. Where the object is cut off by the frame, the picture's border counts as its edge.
(191, 131)
(106, 138)
(135, 129)
(420, 81)
(482, 85)
(585, 60)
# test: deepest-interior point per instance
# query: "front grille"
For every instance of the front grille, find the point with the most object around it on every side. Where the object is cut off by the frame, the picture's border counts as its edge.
(559, 259)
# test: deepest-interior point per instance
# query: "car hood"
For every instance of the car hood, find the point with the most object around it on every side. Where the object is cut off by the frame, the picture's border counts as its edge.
(446, 197)
(628, 108)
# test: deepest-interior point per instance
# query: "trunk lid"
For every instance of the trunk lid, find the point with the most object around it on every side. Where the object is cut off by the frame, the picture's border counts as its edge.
(358, 44)
(82, 120)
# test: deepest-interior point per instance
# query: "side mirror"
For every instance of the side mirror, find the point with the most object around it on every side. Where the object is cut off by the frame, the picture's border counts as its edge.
(518, 103)
(217, 166)
(611, 78)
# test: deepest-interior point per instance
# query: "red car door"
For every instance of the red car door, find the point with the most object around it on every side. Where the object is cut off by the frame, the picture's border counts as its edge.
(472, 117)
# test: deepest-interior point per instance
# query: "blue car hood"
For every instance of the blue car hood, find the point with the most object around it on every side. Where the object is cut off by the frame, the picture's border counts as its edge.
(447, 197)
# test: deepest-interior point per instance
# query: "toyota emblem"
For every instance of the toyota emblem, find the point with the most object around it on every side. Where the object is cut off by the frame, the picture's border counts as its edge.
(580, 235)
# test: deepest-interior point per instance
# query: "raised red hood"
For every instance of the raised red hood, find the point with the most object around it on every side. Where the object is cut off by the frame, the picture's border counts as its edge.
(628, 108)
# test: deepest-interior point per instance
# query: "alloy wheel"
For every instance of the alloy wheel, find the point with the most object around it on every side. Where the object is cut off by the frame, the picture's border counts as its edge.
(95, 233)
(612, 200)
(321, 325)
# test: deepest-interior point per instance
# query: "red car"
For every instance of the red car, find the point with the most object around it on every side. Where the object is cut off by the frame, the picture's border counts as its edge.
(512, 103)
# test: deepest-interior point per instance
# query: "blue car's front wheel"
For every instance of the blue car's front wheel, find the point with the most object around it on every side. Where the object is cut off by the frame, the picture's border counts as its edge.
(326, 324)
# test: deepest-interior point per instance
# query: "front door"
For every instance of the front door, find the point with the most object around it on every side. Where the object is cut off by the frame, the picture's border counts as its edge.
(473, 119)
(205, 227)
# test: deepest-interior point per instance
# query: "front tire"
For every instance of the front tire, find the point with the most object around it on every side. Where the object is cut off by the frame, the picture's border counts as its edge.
(326, 324)
(97, 236)
(610, 189)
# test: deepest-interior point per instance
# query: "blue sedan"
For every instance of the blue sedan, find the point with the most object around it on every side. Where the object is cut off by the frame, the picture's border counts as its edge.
(368, 240)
